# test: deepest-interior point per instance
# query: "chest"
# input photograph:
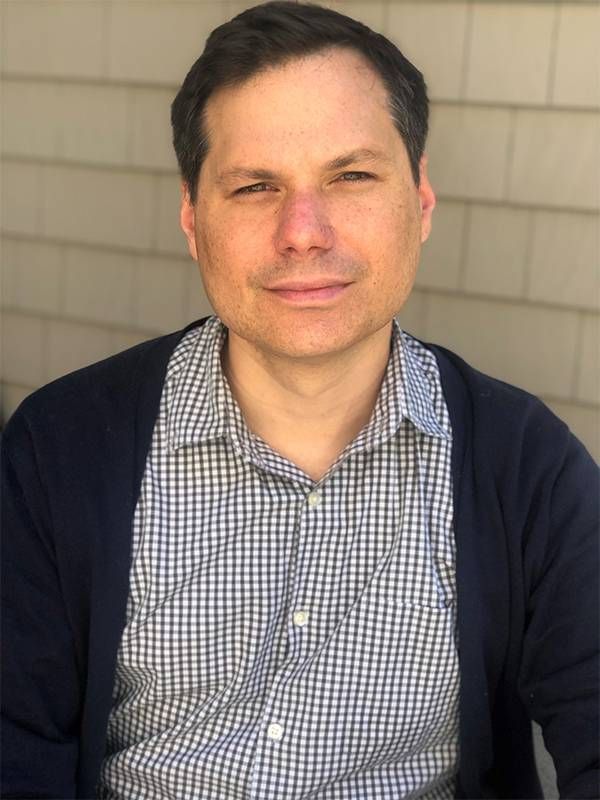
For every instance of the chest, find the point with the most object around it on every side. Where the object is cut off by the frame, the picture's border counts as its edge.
(258, 595)
(230, 529)
(226, 553)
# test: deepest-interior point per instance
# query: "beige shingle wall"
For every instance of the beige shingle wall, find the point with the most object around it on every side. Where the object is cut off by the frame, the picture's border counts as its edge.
(92, 257)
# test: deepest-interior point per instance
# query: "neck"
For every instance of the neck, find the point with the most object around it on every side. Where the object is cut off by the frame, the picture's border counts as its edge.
(314, 405)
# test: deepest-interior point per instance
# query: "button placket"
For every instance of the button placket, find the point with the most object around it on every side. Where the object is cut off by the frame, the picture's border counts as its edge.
(300, 615)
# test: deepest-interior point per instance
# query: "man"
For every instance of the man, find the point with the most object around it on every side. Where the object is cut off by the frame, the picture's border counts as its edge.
(291, 551)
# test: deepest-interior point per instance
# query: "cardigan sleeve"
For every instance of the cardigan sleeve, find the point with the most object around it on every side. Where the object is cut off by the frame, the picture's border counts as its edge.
(40, 681)
(560, 668)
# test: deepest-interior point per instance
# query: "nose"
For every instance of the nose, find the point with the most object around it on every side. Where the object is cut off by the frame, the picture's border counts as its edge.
(303, 225)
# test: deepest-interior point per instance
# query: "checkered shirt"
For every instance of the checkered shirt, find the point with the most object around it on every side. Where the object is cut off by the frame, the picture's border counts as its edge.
(287, 638)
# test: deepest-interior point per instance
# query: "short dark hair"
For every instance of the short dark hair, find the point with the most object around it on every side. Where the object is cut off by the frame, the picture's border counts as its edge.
(273, 34)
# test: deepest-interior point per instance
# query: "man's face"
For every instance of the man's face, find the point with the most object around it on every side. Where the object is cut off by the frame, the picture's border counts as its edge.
(275, 213)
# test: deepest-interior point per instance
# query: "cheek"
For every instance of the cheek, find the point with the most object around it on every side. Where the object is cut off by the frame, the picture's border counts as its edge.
(232, 246)
(405, 226)
(226, 264)
(210, 241)
(388, 238)
(399, 260)
(215, 253)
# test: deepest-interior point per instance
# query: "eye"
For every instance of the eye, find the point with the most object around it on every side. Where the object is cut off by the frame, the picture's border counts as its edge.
(256, 188)
(354, 177)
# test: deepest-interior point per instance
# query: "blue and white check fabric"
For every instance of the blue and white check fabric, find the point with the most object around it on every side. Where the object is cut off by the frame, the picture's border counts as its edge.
(287, 638)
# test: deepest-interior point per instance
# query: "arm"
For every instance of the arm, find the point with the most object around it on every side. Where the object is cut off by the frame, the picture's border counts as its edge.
(560, 669)
(40, 682)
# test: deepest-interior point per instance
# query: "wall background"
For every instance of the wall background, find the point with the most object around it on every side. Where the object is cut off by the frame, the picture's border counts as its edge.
(93, 260)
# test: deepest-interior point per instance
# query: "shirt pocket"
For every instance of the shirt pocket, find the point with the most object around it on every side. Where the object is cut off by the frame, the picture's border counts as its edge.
(390, 669)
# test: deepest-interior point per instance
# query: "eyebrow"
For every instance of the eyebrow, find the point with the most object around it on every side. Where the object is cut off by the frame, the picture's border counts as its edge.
(362, 155)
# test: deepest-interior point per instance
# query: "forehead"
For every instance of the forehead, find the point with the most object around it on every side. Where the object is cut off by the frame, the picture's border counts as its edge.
(325, 103)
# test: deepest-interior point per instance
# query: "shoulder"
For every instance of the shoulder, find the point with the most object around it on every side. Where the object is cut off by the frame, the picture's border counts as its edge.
(512, 446)
(504, 425)
(98, 394)
(480, 395)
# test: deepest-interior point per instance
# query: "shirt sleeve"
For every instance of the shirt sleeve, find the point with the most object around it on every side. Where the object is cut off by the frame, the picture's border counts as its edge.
(560, 669)
(40, 681)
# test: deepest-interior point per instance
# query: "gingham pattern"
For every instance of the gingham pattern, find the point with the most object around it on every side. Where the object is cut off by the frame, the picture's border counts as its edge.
(222, 690)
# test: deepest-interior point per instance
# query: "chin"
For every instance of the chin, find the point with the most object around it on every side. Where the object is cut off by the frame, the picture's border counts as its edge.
(320, 346)
(305, 335)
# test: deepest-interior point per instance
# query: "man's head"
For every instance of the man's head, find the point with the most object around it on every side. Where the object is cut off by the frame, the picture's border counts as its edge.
(271, 35)
(305, 183)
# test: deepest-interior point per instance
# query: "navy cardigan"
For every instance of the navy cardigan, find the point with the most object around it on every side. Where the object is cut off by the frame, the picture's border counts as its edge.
(526, 525)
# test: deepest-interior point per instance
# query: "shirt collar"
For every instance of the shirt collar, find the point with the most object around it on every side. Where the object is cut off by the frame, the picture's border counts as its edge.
(200, 406)
(196, 402)
(411, 390)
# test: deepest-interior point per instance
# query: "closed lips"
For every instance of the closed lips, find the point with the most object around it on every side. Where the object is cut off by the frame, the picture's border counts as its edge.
(305, 287)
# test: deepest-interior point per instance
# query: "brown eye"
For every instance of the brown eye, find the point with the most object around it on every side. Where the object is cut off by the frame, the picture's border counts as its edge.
(254, 189)
(354, 177)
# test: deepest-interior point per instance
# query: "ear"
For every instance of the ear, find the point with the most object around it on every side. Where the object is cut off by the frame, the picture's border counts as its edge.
(187, 220)
(427, 199)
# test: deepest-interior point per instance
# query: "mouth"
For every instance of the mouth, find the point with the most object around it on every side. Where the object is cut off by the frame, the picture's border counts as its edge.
(321, 294)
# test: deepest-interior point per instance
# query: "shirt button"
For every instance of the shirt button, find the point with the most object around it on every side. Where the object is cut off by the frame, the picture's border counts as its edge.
(314, 498)
(275, 731)
(300, 618)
